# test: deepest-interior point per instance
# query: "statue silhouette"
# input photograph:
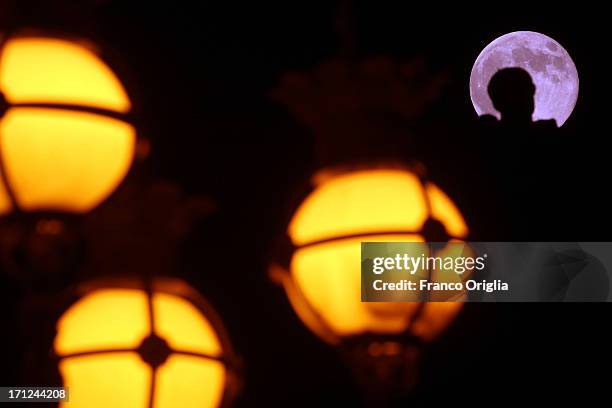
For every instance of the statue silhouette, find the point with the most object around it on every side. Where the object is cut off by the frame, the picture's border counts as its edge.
(519, 161)
(512, 92)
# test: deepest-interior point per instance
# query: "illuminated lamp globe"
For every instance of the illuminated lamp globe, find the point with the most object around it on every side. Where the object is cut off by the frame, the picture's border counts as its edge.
(322, 273)
(123, 346)
(66, 141)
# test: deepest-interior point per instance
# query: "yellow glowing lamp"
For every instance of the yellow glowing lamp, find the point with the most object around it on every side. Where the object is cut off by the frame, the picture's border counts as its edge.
(121, 345)
(65, 140)
(322, 273)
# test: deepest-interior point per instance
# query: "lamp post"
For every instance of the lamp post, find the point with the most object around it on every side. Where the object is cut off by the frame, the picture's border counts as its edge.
(319, 268)
(67, 139)
(367, 187)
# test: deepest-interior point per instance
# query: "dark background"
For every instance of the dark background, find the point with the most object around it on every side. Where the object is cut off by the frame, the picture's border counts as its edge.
(199, 75)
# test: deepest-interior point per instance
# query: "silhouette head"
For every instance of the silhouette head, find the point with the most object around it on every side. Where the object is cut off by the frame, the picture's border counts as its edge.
(512, 91)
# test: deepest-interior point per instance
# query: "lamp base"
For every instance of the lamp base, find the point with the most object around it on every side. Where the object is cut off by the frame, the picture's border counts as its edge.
(384, 367)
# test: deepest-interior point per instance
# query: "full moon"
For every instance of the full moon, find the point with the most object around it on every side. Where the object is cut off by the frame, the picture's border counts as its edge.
(551, 68)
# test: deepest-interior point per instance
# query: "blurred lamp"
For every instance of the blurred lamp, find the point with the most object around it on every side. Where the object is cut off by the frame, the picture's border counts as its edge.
(364, 111)
(125, 345)
(65, 138)
(321, 270)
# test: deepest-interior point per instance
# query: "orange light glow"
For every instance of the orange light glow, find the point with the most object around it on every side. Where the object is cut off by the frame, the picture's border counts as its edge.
(365, 201)
(111, 319)
(52, 70)
(183, 326)
(64, 160)
(105, 319)
(91, 379)
(5, 202)
(444, 210)
(61, 159)
(324, 281)
(189, 382)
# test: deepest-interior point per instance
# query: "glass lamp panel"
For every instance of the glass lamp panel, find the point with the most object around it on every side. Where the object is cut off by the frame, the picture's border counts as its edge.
(445, 211)
(51, 70)
(64, 160)
(104, 319)
(118, 380)
(183, 326)
(189, 382)
(329, 277)
(360, 202)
